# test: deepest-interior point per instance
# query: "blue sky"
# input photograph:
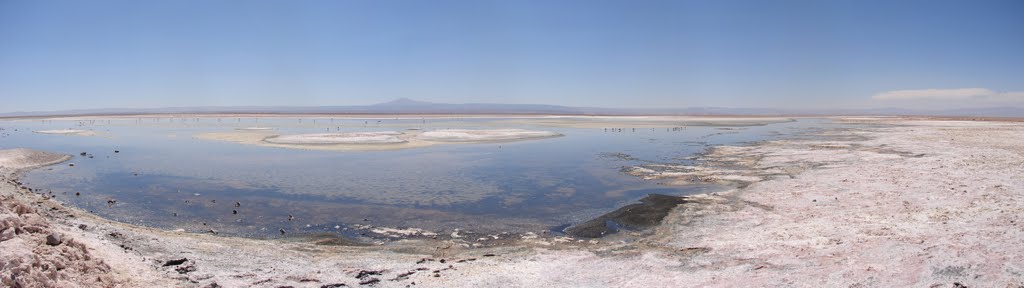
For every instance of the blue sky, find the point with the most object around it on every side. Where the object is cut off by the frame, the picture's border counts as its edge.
(794, 54)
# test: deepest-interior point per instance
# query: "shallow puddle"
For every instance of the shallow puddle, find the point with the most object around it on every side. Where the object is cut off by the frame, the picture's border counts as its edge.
(161, 176)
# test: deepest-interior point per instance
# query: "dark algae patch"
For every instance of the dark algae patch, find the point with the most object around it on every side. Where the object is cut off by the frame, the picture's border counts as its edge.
(648, 213)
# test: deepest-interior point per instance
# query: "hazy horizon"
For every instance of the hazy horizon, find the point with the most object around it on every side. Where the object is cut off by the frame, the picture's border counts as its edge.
(66, 55)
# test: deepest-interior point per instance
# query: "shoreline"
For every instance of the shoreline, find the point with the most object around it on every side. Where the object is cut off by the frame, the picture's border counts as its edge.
(861, 209)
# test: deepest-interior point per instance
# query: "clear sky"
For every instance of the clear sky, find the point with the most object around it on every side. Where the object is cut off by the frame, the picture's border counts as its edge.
(72, 54)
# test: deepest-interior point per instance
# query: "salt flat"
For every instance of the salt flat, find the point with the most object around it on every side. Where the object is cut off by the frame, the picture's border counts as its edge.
(921, 203)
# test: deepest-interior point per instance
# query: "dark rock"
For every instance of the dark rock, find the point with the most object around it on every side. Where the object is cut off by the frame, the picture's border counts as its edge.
(370, 281)
(489, 255)
(693, 251)
(175, 262)
(335, 285)
(53, 239)
(82, 154)
(366, 273)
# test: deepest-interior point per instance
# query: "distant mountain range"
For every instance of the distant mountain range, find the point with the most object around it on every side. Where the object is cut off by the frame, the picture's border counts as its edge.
(408, 106)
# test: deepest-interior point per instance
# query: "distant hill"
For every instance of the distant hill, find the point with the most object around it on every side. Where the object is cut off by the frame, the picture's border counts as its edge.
(409, 106)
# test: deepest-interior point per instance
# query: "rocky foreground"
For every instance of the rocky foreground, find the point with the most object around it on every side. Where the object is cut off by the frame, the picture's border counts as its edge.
(891, 203)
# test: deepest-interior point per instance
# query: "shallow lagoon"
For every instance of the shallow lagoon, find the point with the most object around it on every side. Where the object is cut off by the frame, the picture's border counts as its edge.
(164, 177)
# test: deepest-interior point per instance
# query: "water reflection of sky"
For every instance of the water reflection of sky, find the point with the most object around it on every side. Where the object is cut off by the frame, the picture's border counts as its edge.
(164, 177)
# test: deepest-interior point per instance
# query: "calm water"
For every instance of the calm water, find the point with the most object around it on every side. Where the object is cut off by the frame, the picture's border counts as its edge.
(165, 178)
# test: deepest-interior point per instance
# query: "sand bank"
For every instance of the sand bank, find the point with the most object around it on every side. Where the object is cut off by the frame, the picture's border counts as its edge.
(465, 135)
(643, 121)
(75, 132)
(255, 129)
(371, 141)
(929, 204)
(387, 137)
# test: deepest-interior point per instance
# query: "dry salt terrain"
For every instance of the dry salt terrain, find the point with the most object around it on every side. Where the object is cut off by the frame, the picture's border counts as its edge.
(891, 203)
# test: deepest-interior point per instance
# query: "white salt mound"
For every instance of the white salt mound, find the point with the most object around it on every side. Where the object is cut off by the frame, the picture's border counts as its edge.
(62, 131)
(462, 135)
(385, 137)
(20, 158)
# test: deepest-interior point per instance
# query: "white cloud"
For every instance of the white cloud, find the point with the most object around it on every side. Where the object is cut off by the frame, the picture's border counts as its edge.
(947, 97)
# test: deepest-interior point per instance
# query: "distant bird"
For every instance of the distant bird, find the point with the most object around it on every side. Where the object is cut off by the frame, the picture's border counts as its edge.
(282, 231)
(234, 211)
(290, 217)
(238, 204)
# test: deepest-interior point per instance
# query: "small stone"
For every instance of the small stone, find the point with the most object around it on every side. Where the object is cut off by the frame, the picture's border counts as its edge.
(53, 239)
(7, 234)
